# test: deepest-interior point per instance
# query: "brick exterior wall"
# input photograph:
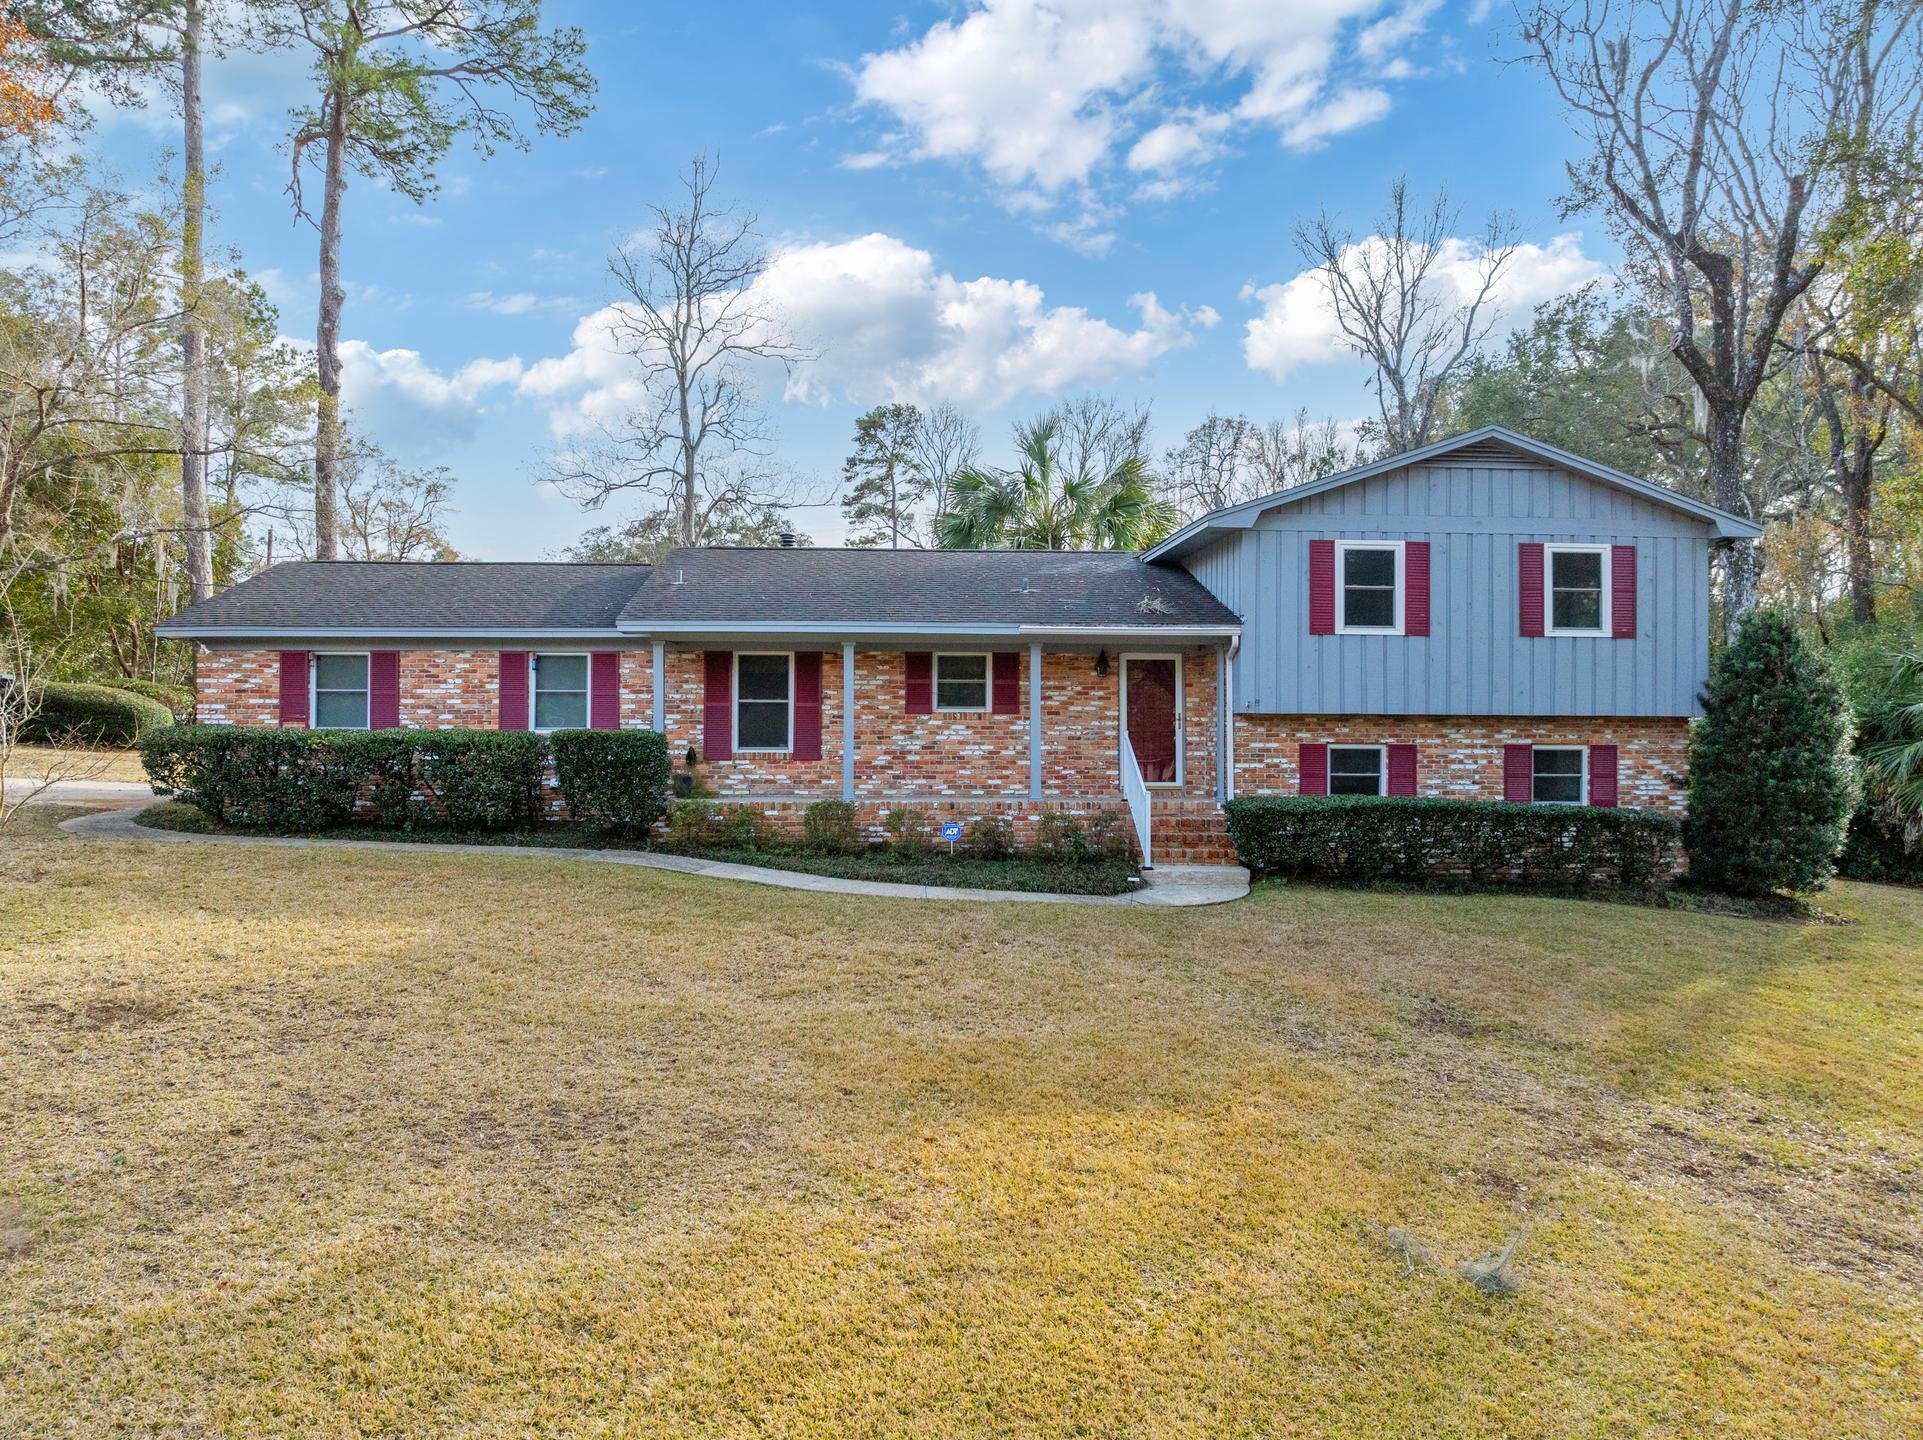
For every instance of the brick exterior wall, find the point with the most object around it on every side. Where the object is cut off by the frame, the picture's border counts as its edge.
(237, 687)
(955, 757)
(1460, 757)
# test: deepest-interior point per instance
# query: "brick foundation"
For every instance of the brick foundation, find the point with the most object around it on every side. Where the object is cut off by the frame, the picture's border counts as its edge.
(1460, 757)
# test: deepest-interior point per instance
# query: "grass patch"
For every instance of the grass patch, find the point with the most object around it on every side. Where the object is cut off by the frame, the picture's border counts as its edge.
(1034, 877)
(1681, 896)
(363, 1143)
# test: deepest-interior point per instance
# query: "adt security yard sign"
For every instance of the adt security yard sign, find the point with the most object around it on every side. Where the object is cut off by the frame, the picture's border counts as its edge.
(951, 831)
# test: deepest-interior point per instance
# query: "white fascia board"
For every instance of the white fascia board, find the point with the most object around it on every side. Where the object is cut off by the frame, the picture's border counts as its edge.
(856, 629)
(338, 632)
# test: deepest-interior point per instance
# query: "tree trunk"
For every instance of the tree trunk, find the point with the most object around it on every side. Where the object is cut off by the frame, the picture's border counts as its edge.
(193, 337)
(1857, 478)
(327, 433)
(1741, 560)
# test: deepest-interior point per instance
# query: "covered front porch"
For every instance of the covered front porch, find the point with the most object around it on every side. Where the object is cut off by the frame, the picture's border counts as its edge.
(956, 725)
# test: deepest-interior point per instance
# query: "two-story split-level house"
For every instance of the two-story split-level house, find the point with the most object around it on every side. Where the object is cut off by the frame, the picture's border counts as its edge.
(1488, 617)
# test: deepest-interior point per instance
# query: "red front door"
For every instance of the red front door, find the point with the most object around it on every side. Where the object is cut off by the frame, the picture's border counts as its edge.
(1151, 718)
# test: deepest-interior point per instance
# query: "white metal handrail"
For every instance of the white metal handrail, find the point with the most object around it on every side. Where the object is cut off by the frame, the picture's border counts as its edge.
(1135, 791)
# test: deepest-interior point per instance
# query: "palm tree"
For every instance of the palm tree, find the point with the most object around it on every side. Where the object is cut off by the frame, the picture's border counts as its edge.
(1893, 747)
(1036, 506)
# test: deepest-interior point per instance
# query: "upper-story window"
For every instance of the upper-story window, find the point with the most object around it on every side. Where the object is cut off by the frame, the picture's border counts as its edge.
(763, 712)
(560, 692)
(1578, 589)
(340, 692)
(961, 682)
(1369, 580)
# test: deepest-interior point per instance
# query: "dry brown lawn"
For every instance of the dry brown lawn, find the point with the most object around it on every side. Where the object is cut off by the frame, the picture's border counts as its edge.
(35, 761)
(325, 1143)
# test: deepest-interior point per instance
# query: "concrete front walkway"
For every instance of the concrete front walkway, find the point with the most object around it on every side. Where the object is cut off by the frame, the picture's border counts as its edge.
(1176, 885)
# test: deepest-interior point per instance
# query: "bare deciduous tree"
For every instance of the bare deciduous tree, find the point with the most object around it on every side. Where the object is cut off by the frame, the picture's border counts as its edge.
(1411, 300)
(1710, 126)
(947, 442)
(694, 324)
(392, 513)
(1211, 468)
(1287, 453)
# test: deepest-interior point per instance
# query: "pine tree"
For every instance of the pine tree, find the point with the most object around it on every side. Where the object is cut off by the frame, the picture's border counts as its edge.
(1772, 783)
(884, 484)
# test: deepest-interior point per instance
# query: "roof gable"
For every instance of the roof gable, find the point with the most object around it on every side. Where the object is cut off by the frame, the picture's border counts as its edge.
(1489, 445)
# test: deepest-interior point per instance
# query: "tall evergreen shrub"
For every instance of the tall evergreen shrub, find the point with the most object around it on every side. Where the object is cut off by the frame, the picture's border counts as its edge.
(1772, 783)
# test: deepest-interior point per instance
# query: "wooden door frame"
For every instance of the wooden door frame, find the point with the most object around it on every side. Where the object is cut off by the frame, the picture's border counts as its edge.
(1181, 716)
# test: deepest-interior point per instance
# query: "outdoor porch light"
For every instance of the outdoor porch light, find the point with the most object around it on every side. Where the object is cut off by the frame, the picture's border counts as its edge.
(1101, 662)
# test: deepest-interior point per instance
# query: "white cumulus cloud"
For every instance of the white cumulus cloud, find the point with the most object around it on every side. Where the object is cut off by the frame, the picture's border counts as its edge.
(1047, 96)
(1295, 326)
(887, 323)
(408, 405)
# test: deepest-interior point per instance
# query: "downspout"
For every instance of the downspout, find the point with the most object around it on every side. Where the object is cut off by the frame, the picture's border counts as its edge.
(1228, 719)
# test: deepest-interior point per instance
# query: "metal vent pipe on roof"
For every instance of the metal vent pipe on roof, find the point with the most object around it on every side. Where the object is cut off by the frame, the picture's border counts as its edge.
(787, 539)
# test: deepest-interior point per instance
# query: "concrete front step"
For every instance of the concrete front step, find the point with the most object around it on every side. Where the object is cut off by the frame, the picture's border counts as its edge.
(1193, 884)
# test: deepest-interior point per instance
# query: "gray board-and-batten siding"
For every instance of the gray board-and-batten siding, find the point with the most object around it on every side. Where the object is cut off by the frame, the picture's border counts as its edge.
(1474, 660)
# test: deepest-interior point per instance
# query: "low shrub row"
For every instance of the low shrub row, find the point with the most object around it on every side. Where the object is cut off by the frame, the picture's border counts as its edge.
(1362, 838)
(1875, 851)
(832, 828)
(292, 781)
(69, 714)
(178, 699)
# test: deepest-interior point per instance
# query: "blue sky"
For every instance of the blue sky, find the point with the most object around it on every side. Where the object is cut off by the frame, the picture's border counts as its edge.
(967, 202)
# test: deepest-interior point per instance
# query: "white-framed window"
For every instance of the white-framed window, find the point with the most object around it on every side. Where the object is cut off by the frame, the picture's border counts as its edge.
(1368, 579)
(1560, 775)
(961, 682)
(764, 712)
(1356, 770)
(1577, 579)
(558, 686)
(340, 690)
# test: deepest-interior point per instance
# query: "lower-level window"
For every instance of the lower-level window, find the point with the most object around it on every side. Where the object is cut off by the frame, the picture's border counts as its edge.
(1558, 775)
(961, 682)
(1355, 769)
(340, 692)
(763, 718)
(560, 692)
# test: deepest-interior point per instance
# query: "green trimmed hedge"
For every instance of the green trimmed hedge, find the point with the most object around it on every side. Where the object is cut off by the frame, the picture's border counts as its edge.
(1366, 837)
(293, 781)
(615, 778)
(67, 714)
(178, 699)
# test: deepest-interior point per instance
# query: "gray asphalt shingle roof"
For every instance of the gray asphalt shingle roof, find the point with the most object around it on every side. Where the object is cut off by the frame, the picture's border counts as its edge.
(306, 595)
(920, 587)
(694, 588)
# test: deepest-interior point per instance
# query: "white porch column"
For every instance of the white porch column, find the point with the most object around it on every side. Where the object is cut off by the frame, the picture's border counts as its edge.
(847, 720)
(1228, 727)
(1035, 722)
(661, 685)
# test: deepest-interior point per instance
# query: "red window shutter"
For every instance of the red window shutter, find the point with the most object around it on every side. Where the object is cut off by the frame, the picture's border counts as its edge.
(1312, 769)
(1322, 587)
(807, 705)
(1007, 696)
(1529, 586)
(1622, 592)
(919, 682)
(1402, 770)
(1415, 588)
(717, 705)
(1519, 773)
(384, 690)
(604, 690)
(293, 687)
(1602, 776)
(513, 690)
